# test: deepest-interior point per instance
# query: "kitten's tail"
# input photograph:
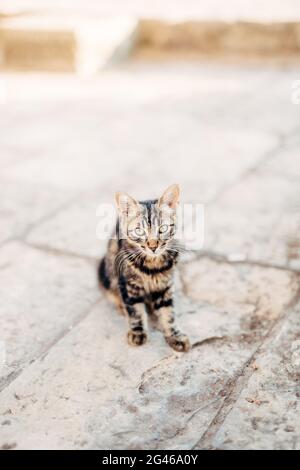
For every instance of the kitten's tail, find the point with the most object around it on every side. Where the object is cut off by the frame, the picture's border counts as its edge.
(103, 275)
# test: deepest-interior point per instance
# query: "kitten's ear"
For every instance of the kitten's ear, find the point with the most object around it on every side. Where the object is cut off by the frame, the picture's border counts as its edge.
(171, 196)
(125, 203)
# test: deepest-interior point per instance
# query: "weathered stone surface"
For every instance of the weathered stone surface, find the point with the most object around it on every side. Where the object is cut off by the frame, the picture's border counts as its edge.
(74, 229)
(200, 158)
(267, 414)
(249, 297)
(286, 162)
(23, 205)
(176, 398)
(117, 389)
(277, 113)
(228, 136)
(167, 127)
(70, 168)
(254, 89)
(258, 219)
(202, 171)
(93, 366)
(42, 296)
(120, 388)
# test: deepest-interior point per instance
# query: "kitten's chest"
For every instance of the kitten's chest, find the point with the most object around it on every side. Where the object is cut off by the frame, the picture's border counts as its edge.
(156, 283)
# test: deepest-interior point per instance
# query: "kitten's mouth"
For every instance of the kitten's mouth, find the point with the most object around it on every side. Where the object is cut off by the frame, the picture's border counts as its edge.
(154, 254)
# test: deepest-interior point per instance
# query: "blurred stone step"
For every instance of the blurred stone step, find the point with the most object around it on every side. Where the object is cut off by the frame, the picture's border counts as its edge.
(203, 38)
(64, 43)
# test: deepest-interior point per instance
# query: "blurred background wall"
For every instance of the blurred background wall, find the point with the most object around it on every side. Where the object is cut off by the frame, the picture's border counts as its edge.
(85, 36)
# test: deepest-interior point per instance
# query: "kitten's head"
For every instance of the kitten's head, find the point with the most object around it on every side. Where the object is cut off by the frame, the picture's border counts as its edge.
(148, 226)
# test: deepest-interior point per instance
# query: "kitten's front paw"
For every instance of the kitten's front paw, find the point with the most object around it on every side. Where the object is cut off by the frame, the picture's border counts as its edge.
(180, 343)
(135, 338)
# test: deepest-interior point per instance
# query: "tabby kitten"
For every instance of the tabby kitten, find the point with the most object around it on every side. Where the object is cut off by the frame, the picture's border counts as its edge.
(137, 270)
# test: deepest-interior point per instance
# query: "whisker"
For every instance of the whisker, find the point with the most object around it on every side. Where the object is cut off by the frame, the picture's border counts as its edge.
(124, 255)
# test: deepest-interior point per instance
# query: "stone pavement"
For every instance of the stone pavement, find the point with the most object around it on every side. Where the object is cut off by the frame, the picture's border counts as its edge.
(230, 137)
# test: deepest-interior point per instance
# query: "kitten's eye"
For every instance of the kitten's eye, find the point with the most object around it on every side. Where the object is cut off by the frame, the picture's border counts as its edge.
(139, 232)
(163, 228)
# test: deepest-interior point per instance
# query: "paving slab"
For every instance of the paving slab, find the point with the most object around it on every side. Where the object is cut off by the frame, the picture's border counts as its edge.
(286, 163)
(252, 295)
(74, 229)
(272, 95)
(43, 295)
(266, 414)
(23, 205)
(27, 127)
(258, 220)
(103, 391)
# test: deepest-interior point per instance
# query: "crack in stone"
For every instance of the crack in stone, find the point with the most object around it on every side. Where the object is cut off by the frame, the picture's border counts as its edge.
(140, 385)
(248, 338)
(249, 171)
(42, 355)
(201, 408)
(58, 252)
(281, 143)
(212, 339)
(223, 259)
(7, 380)
(209, 340)
(51, 214)
(118, 369)
(194, 413)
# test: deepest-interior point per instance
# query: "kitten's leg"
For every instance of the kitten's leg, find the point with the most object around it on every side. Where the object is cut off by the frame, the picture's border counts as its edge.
(164, 310)
(133, 298)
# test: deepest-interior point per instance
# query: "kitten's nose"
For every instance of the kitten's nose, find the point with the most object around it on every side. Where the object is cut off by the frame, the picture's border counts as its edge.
(152, 245)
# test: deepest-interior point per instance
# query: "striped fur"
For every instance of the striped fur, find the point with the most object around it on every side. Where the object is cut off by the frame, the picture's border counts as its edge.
(137, 270)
